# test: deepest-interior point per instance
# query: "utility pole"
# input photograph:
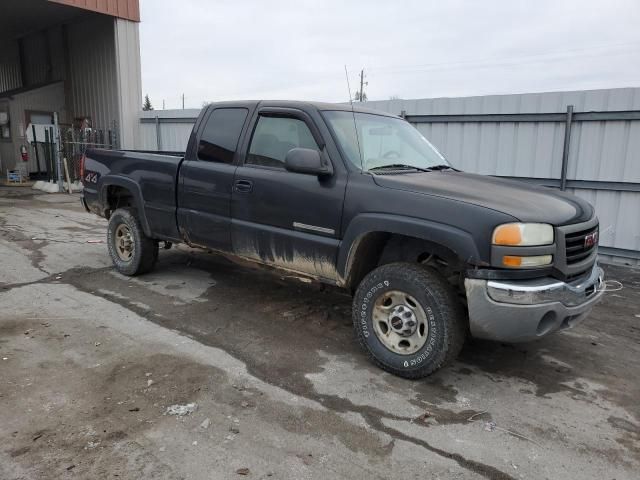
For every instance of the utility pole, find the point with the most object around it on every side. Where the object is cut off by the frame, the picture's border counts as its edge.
(163, 103)
(361, 95)
(183, 101)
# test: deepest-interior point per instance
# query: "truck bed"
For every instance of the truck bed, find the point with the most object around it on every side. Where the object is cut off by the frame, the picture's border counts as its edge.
(151, 176)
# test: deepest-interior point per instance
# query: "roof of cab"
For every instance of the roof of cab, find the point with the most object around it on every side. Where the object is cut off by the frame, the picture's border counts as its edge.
(324, 106)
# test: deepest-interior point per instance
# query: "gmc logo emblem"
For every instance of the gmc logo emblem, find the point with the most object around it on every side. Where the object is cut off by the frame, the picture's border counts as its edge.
(591, 239)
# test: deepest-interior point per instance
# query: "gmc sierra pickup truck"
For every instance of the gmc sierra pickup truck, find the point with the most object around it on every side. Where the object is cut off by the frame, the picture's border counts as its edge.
(361, 200)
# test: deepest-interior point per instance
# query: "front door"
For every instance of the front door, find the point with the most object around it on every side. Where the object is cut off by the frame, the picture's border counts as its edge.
(204, 206)
(289, 220)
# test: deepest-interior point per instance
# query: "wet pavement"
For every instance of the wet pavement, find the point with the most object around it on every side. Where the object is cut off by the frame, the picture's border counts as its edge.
(90, 361)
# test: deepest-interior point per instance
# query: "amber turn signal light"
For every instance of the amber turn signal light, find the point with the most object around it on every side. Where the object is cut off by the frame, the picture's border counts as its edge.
(523, 262)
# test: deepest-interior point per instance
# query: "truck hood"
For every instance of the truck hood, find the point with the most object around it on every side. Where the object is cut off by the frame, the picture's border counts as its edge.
(525, 202)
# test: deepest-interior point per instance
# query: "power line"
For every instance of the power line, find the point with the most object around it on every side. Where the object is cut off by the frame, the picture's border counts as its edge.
(550, 56)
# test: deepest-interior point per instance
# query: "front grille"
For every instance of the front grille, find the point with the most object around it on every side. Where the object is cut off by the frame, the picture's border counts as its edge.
(576, 247)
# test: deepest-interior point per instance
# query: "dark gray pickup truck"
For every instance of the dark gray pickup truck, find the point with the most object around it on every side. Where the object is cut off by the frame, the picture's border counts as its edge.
(430, 253)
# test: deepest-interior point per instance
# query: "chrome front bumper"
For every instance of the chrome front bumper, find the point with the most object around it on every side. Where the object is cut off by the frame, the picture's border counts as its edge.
(523, 310)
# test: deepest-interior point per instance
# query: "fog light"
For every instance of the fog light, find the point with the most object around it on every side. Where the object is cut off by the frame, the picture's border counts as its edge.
(524, 262)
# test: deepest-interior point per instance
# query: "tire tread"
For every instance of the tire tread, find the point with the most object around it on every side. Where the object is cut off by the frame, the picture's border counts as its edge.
(445, 296)
(148, 247)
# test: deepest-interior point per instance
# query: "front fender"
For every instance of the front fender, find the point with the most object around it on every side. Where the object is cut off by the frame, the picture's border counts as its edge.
(124, 182)
(451, 238)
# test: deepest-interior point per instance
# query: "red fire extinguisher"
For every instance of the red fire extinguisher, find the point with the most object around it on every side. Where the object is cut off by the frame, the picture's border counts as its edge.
(24, 153)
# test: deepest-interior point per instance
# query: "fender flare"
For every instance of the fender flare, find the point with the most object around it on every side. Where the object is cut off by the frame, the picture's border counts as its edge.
(124, 182)
(455, 239)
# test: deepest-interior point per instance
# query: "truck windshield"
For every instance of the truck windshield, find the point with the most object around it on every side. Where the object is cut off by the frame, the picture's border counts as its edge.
(383, 142)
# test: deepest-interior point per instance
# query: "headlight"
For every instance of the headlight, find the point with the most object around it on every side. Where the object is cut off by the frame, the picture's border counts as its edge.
(523, 234)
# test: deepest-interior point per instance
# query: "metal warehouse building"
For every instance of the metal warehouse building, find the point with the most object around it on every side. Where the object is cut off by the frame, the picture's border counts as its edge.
(79, 59)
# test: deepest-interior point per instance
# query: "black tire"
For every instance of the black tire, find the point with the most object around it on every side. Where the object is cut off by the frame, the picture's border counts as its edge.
(145, 250)
(445, 317)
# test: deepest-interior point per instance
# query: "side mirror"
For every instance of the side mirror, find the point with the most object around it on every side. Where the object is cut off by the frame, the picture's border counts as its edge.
(306, 160)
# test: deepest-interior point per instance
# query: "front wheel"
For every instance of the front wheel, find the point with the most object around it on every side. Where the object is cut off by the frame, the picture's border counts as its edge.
(408, 319)
(131, 251)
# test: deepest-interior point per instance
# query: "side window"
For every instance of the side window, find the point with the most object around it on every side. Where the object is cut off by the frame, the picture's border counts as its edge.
(219, 138)
(274, 137)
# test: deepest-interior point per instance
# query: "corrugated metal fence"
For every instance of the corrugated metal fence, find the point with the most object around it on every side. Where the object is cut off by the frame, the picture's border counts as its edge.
(167, 130)
(587, 142)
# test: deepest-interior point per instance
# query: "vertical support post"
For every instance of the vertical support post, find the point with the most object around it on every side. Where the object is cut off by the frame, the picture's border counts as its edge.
(66, 173)
(403, 114)
(565, 149)
(75, 158)
(35, 147)
(47, 154)
(56, 148)
(158, 139)
(116, 138)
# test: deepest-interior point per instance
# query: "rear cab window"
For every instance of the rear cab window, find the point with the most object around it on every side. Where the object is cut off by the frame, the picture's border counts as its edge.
(219, 139)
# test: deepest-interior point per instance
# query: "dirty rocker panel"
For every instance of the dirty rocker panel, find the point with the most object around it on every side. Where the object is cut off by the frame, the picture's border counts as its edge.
(298, 251)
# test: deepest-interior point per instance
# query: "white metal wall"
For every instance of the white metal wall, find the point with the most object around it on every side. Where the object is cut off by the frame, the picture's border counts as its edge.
(94, 90)
(619, 214)
(174, 128)
(127, 58)
(606, 150)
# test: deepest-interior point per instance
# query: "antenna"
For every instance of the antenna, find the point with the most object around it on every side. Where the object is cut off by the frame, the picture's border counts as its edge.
(355, 124)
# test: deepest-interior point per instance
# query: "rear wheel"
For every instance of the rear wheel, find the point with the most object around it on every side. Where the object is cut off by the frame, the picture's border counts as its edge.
(131, 251)
(408, 319)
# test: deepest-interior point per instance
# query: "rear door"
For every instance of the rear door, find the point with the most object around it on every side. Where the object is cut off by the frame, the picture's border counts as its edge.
(206, 180)
(286, 219)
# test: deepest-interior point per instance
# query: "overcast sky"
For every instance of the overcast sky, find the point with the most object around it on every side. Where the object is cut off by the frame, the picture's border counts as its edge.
(297, 49)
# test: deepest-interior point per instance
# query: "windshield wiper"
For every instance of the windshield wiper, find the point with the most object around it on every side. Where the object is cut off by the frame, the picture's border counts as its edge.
(440, 167)
(398, 166)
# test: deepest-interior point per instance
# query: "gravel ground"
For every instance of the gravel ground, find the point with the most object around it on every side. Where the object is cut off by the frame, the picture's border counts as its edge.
(91, 361)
